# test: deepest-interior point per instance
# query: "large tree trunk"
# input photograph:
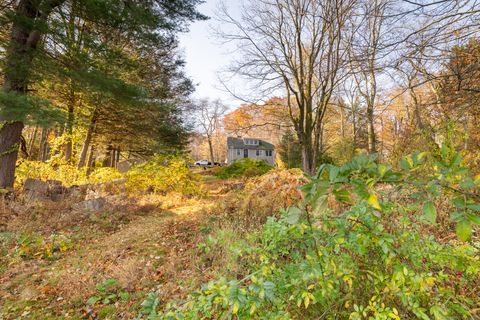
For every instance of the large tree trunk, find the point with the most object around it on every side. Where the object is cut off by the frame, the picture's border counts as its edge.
(88, 139)
(23, 43)
(17, 72)
(307, 149)
(10, 134)
(308, 165)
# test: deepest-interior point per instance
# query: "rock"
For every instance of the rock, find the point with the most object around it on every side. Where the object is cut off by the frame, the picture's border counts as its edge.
(35, 189)
(91, 205)
(77, 192)
(35, 185)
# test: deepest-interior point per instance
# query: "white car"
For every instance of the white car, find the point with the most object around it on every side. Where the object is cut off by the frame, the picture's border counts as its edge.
(203, 163)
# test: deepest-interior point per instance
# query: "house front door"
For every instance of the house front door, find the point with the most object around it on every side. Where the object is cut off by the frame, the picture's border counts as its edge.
(245, 153)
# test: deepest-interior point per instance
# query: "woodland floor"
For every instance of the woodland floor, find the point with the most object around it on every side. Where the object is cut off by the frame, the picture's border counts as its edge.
(147, 244)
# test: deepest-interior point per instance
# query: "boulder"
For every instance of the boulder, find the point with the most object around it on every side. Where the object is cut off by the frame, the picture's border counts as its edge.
(35, 189)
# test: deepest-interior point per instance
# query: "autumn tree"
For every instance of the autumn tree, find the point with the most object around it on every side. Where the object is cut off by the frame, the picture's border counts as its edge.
(209, 119)
(295, 47)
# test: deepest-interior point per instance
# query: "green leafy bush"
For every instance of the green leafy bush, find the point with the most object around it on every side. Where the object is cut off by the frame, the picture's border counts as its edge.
(108, 292)
(245, 167)
(164, 174)
(358, 247)
(160, 174)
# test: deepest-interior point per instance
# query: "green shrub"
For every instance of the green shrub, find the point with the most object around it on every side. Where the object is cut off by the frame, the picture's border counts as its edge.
(108, 292)
(368, 256)
(162, 174)
(245, 167)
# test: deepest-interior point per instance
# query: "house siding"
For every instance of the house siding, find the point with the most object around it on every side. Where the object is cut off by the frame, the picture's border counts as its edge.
(232, 155)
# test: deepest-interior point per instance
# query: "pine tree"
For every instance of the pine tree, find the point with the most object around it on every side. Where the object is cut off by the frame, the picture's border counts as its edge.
(31, 26)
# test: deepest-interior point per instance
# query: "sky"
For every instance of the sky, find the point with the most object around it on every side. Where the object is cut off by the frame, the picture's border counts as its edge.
(205, 57)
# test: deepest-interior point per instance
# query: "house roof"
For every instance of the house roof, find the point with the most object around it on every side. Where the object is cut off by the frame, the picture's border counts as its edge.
(238, 143)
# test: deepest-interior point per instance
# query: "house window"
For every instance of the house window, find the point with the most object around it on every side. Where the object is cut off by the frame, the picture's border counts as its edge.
(251, 142)
(259, 153)
(239, 152)
(268, 153)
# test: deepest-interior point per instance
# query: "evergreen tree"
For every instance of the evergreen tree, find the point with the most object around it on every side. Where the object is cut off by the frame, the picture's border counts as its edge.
(32, 34)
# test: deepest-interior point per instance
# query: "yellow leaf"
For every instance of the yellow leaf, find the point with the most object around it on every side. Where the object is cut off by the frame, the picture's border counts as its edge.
(236, 306)
(253, 308)
(306, 301)
(373, 201)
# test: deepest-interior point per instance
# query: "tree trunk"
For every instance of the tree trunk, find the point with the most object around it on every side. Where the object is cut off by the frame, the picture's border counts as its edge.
(69, 126)
(90, 160)
(88, 139)
(307, 160)
(17, 72)
(107, 157)
(342, 121)
(43, 149)
(112, 157)
(372, 148)
(354, 131)
(10, 134)
(210, 146)
(31, 144)
(117, 157)
(22, 46)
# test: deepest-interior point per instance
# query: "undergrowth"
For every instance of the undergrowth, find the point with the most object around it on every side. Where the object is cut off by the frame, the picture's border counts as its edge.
(245, 167)
(161, 174)
(362, 244)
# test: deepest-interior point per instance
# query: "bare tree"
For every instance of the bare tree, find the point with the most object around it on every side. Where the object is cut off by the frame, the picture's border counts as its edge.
(368, 55)
(296, 47)
(210, 115)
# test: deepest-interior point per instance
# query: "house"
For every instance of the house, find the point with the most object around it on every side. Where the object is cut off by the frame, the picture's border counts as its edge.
(238, 148)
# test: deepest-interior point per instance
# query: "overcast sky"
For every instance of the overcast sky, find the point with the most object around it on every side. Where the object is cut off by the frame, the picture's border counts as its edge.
(205, 57)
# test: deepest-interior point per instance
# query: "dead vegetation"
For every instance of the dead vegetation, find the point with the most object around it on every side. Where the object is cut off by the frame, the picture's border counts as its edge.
(146, 243)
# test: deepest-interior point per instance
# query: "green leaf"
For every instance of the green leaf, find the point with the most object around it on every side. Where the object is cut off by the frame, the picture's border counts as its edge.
(430, 212)
(93, 300)
(464, 229)
(333, 173)
(474, 207)
(468, 183)
(124, 296)
(473, 218)
(382, 169)
(459, 202)
(293, 216)
(110, 282)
